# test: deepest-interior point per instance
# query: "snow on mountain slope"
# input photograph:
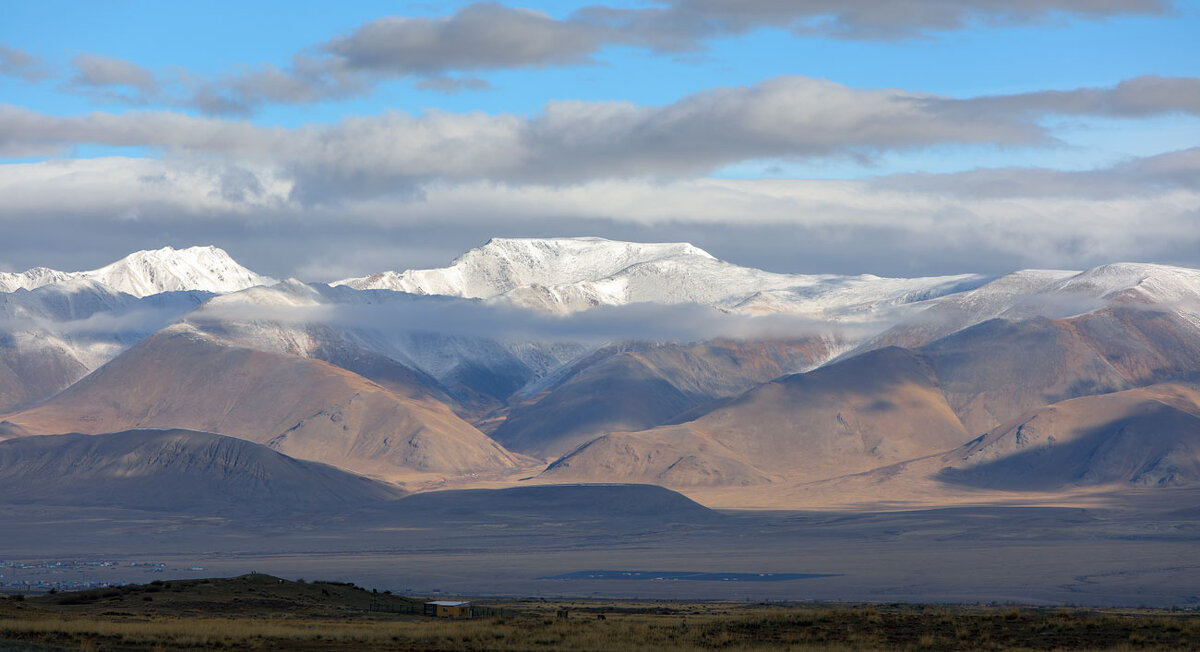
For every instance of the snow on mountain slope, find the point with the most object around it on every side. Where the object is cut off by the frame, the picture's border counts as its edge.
(409, 330)
(167, 269)
(30, 279)
(961, 310)
(504, 264)
(1125, 283)
(1052, 294)
(150, 272)
(54, 335)
(571, 274)
(84, 306)
(73, 322)
(861, 298)
(1058, 293)
(304, 408)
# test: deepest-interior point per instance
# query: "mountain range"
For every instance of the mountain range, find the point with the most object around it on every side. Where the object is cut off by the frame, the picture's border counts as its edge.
(143, 273)
(585, 360)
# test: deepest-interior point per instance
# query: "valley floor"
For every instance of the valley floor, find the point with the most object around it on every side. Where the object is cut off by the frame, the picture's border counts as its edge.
(1144, 551)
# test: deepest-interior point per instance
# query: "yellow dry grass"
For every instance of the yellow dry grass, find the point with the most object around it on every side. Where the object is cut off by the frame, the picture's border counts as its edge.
(632, 627)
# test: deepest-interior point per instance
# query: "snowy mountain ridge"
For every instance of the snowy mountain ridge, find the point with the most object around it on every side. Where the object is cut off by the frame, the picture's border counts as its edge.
(565, 275)
(458, 326)
(505, 264)
(144, 273)
(568, 275)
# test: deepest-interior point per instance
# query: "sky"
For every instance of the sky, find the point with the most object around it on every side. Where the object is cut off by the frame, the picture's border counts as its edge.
(325, 140)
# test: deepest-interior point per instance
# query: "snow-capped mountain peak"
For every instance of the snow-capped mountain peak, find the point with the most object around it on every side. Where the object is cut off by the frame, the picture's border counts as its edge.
(144, 273)
(571, 274)
(30, 279)
(504, 264)
(1140, 282)
(169, 269)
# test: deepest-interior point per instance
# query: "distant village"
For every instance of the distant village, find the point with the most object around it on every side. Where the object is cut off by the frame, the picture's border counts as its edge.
(70, 575)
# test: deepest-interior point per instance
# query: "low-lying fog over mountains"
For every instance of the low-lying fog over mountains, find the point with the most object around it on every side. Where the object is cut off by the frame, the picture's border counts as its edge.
(584, 360)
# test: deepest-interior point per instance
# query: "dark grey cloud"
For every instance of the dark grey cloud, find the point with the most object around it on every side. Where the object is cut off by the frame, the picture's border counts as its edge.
(96, 71)
(239, 185)
(478, 37)
(483, 36)
(308, 79)
(110, 79)
(685, 24)
(22, 65)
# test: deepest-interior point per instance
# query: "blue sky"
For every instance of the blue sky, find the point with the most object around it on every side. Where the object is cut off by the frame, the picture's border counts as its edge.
(220, 36)
(181, 47)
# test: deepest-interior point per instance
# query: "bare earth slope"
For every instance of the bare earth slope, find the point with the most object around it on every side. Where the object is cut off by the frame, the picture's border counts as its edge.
(888, 405)
(1000, 369)
(301, 407)
(865, 412)
(1141, 437)
(1072, 452)
(32, 368)
(52, 336)
(639, 385)
(180, 471)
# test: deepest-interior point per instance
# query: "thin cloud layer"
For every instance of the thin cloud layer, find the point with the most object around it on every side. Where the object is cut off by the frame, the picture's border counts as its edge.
(451, 317)
(1140, 97)
(309, 79)
(93, 71)
(684, 24)
(22, 65)
(1152, 175)
(111, 79)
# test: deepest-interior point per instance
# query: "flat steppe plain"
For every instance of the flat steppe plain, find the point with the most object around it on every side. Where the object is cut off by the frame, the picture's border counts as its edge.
(1133, 549)
(267, 613)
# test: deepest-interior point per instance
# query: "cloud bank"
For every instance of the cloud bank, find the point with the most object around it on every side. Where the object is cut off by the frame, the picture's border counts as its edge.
(573, 142)
(985, 221)
(398, 315)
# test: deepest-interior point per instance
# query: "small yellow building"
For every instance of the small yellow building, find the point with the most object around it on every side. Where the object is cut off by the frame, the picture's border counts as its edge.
(448, 609)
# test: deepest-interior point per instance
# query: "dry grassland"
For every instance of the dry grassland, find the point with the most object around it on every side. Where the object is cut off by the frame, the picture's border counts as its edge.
(191, 615)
